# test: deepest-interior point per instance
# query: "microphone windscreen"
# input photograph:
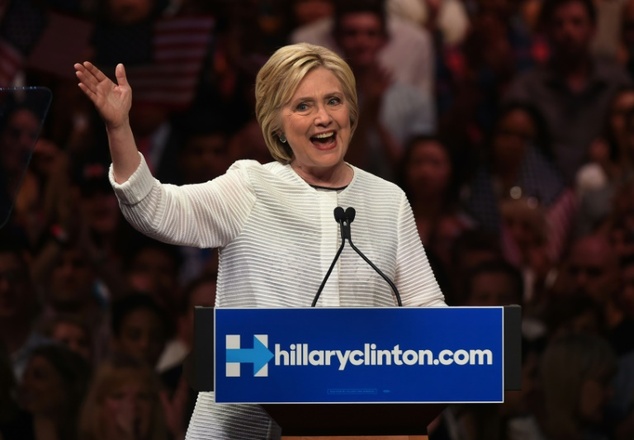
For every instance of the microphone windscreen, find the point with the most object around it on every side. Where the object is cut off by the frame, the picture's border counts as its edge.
(339, 214)
(350, 213)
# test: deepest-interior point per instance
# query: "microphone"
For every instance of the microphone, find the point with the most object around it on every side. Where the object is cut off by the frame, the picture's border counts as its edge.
(344, 218)
(344, 223)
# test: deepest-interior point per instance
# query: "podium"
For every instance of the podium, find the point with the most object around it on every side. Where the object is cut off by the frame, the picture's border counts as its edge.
(361, 373)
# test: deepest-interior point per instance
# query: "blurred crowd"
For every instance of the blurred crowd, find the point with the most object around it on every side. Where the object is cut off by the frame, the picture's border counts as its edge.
(508, 123)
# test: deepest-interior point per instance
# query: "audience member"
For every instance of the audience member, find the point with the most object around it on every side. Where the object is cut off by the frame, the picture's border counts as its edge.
(573, 314)
(622, 403)
(610, 163)
(469, 249)
(493, 283)
(51, 393)
(458, 422)
(519, 195)
(83, 225)
(157, 136)
(390, 111)
(490, 283)
(19, 128)
(140, 328)
(446, 20)
(591, 268)
(429, 175)
(471, 81)
(101, 233)
(248, 143)
(74, 287)
(625, 298)
(520, 406)
(244, 34)
(618, 225)
(572, 90)
(575, 375)
(19, 307)
(305, 12)
(205, 152)
(173, 362)
(626, 52)
(621, 409)
(408, 55)
(8, 387)
(606, 42)
(200, 291)
(72, 331)
(525, 235)
(516, 163)
(123, 403)
(153, 268)
(42, 208)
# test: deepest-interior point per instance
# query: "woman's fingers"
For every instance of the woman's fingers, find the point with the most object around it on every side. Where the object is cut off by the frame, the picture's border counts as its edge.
(93, 78)
(112, 100)
(119, 72)
(88, 81)
(93, 72)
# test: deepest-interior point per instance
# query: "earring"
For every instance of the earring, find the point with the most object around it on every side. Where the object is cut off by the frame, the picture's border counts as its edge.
(282, 138)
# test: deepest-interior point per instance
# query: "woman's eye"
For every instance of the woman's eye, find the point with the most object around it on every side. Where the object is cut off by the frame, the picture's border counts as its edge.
(334, 101)
(302, 106)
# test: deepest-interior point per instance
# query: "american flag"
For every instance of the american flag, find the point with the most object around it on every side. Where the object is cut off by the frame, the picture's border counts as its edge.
(11, 61)
(179, 48)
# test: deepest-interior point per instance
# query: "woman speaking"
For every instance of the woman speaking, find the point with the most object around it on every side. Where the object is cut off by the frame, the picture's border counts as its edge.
(273, 223)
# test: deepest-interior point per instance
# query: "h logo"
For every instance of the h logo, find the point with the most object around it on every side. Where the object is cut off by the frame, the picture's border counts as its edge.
(259, 355)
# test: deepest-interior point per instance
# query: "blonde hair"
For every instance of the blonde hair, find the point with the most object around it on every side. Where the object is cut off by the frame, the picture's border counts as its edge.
(568, 361)
(278, 79)
(111, 375)
(528, 211)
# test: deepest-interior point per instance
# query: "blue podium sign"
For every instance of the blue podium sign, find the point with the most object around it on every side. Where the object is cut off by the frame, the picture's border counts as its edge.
(359, 355)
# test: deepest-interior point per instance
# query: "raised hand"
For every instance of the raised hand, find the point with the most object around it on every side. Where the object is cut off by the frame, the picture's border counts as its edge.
(111, 100)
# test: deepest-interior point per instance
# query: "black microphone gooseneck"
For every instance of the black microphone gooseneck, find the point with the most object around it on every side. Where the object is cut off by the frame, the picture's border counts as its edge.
(344, 218)
(340, 218)
(350, 213)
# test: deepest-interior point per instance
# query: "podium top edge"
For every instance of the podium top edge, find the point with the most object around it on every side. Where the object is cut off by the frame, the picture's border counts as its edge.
(364, 308)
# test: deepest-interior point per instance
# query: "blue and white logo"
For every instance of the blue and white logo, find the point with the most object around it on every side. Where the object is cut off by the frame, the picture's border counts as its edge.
(331, 354)
(259, 355)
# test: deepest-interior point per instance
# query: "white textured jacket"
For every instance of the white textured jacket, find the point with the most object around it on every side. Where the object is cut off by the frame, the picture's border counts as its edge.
(277, 237)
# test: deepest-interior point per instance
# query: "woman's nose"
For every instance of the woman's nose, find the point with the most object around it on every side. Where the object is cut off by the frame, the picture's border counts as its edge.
(323, 116)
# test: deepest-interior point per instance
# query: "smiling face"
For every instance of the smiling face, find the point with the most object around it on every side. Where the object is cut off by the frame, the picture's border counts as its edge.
(316, 124)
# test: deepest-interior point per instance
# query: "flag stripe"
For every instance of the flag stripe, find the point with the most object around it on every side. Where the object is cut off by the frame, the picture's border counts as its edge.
(179, 48)
(11, 61)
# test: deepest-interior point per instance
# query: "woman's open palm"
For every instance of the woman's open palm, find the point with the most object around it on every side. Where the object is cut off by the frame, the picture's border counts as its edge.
(111, 100)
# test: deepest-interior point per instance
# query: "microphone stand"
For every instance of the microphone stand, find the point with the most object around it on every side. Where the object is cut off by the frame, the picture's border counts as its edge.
(339, 214)
(344, 219)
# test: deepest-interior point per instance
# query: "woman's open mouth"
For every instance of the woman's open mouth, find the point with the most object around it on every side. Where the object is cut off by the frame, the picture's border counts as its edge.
(324, 140)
